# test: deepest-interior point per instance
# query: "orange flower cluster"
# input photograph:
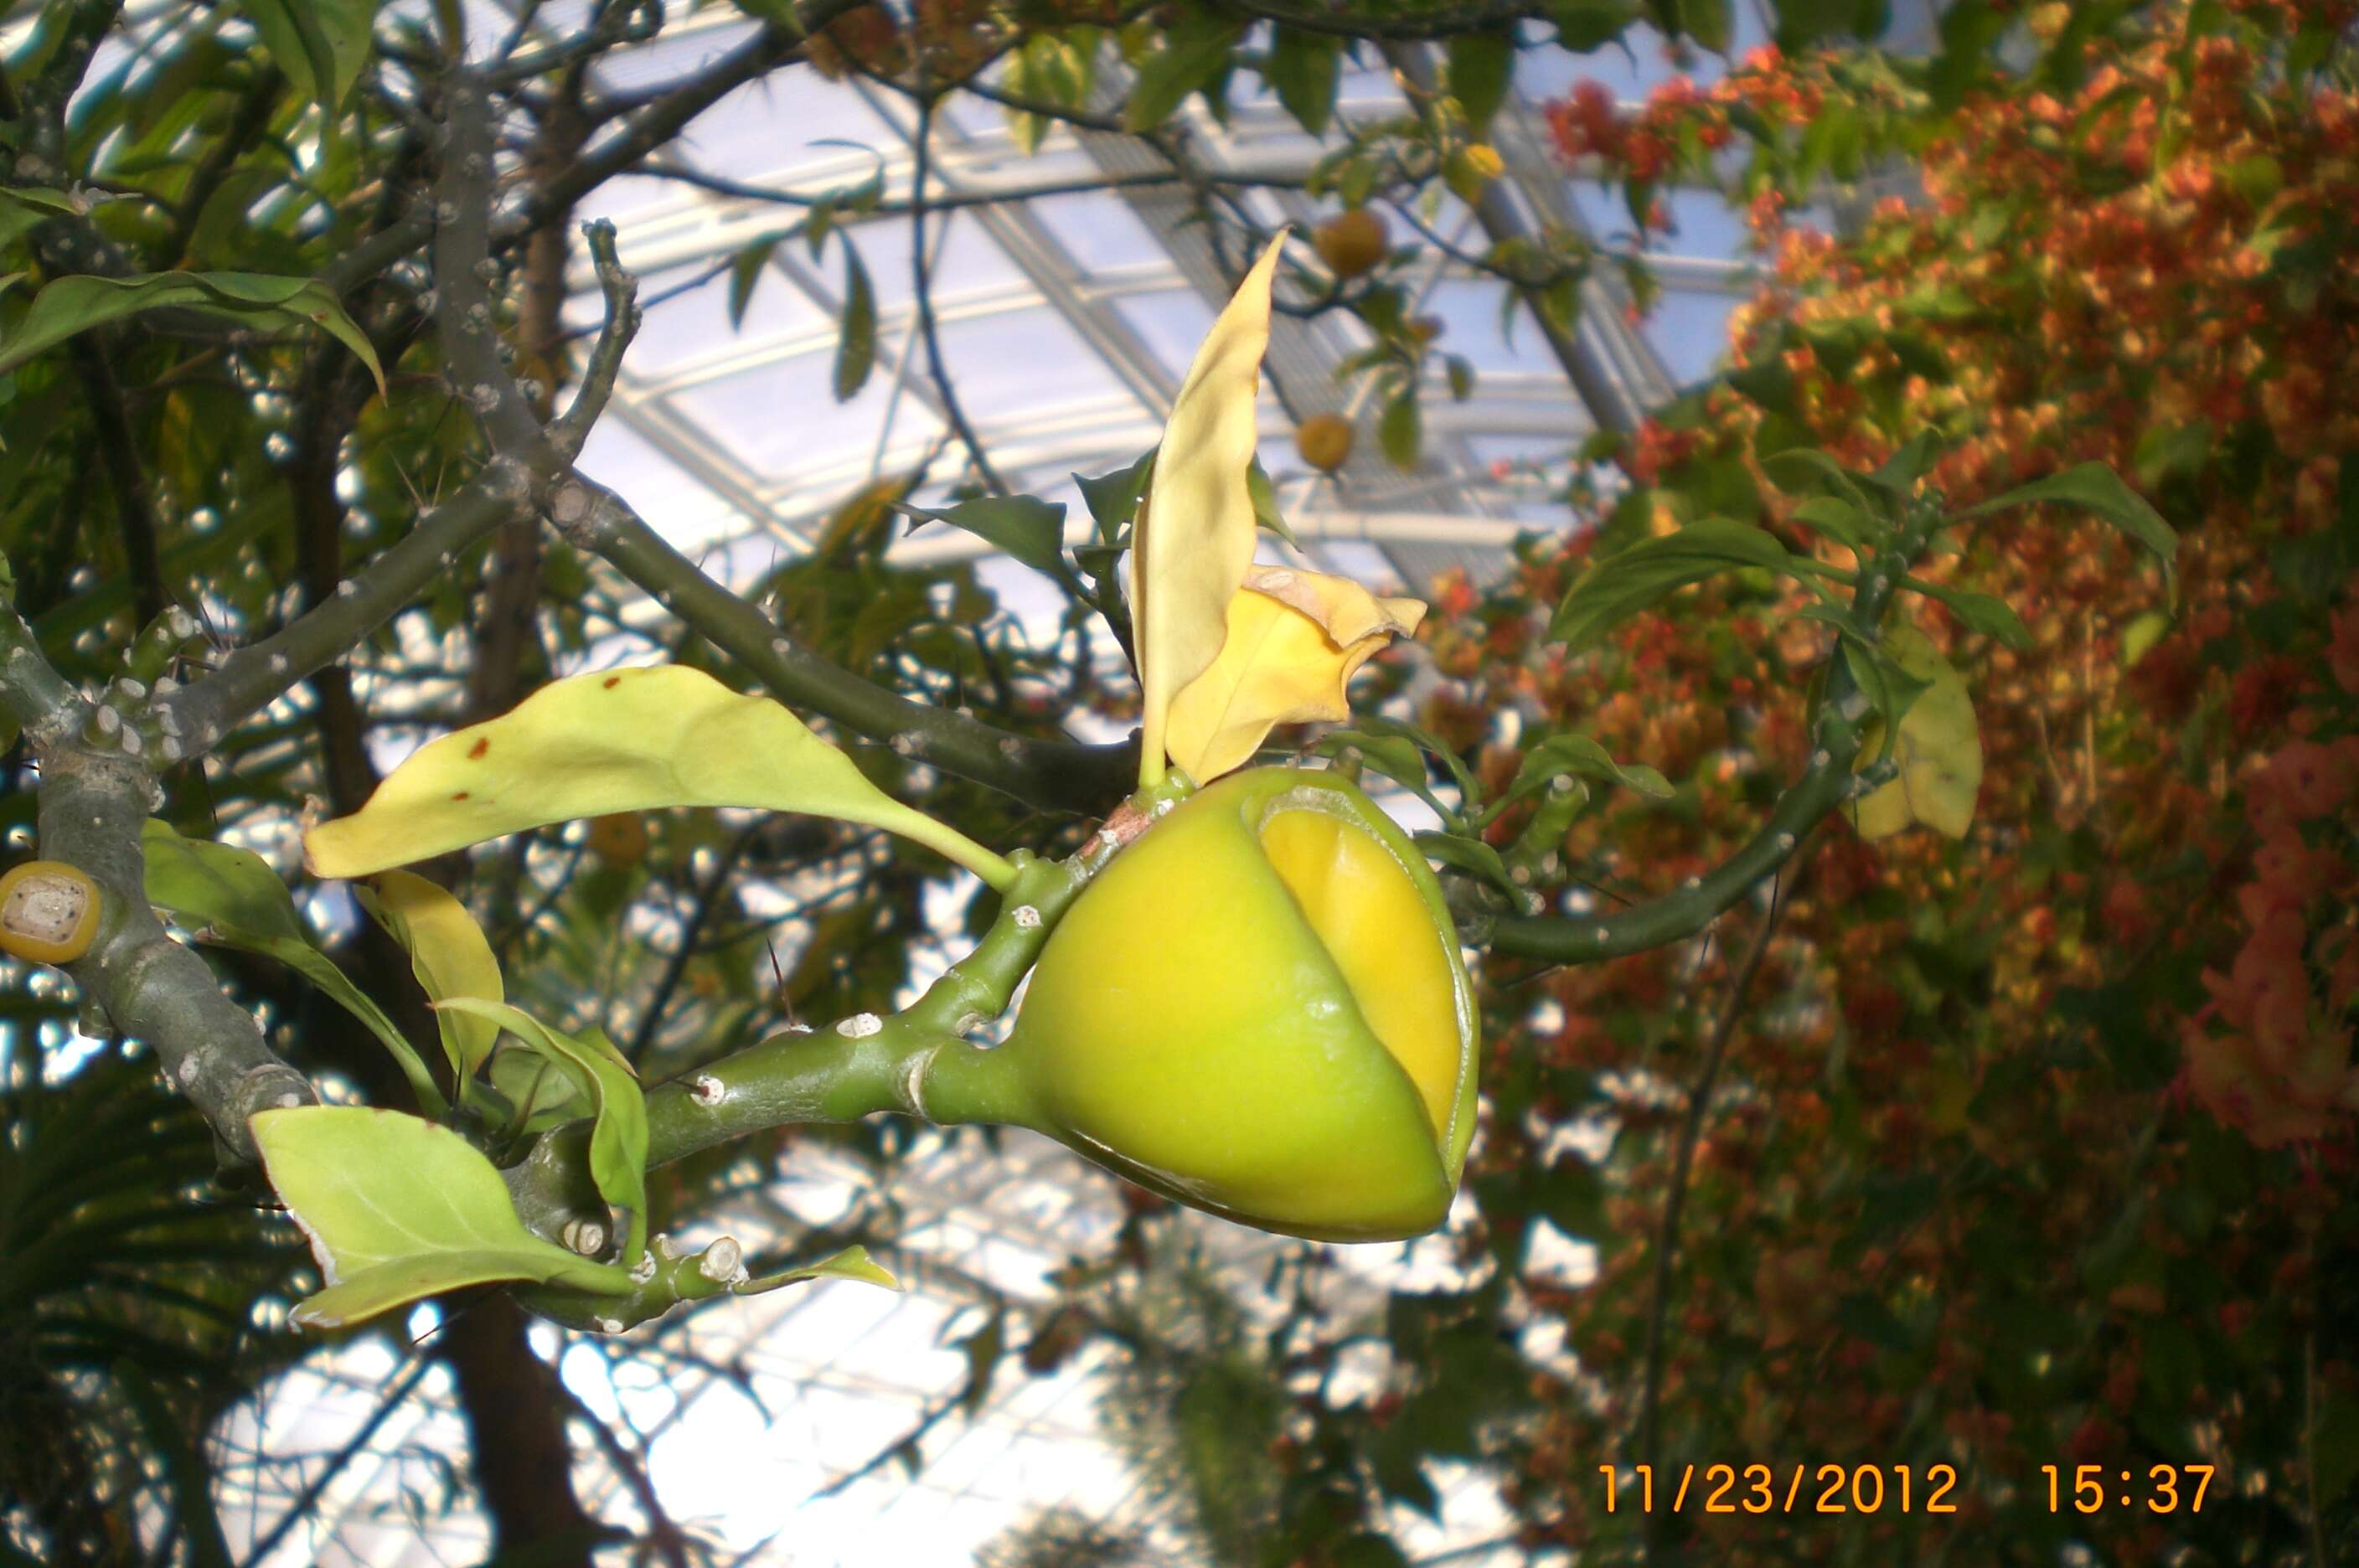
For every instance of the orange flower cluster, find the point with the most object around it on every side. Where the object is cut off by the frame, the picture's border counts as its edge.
(2280, 1068)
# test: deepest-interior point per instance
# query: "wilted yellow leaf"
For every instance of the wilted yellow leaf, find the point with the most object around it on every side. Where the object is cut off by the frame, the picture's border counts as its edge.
(1294, 639)
(1194, 537)
(451, 958)
(620, 740)
(1940, 749)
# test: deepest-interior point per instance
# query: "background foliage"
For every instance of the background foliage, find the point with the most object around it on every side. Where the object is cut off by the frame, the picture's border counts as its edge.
(2033, 1148)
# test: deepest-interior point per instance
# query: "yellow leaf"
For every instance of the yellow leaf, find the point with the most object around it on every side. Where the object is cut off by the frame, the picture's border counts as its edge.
(447, 951)
(619, 740)
(1195, 532)
(1294, 639)
(1940, 749)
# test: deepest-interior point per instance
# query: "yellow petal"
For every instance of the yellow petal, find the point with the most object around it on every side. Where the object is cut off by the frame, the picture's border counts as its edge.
(1194, 537)
(619, 740)
(1295, 639)
(1940, 749)
(451, 958)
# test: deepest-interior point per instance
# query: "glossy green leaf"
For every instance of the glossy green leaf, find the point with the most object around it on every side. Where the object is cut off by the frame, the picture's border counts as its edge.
(618, 1138)
(1580, 754)
(1024, 526)
(1113, 499)
(1992, 618)
(323, 46)
(748, 267)
(620, 740)
(1480, 66)
(1267, 517)
(852, 1263)
(1303, 69)
(1622, 586)
(1400, 430)
(398, 1209)
(1839, 480)
(1397, 759)
(1840, 521)
(1195, 52)
(232, 896)
(1471, 855)
(855, 345)
(2095, 488)
(449, 955)
(78, 302)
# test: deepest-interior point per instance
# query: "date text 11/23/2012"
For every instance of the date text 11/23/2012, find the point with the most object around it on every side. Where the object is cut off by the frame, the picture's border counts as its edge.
(1873, 1488)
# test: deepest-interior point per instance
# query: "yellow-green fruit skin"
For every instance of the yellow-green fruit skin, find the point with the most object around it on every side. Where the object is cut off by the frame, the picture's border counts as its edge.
(1187, 1027)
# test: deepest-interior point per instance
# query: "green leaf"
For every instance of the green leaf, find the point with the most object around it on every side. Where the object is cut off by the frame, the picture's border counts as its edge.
(855, 347)
(323, 46)
(1267, 517)
(618, 1138)
(1910, 462)
(1026, 527)
(618, 740)
(852, 1263)
(1195, 51)
(1840, 521)
(1113, 499)
(2095, 488)
(1473, 857)
(450, 956)
(1938, 745)
(1712, 23)
(1400, 430)
(78, 303)
(748, 267)
(26, 207)
(398, 1209)
(1620, 586)
(1396, 758)
(1833, 474)
(1579, 754)
(1584, 26)
(1303, 69)
(1480, 66)
(1992, 618)
(231, 896)
(1432, 746)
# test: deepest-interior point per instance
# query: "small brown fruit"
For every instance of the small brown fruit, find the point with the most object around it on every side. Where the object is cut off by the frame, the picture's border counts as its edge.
(48, 912)
(1352, 242)
(1324, 442)
(619, 838)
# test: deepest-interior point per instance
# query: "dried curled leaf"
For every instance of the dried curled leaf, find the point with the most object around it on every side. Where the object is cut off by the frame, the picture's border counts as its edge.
(620, 740)
(1194, 537)
(1939, 748)
(1294, 640)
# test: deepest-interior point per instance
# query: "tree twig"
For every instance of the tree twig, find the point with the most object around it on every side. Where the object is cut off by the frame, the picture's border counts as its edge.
(921, 291)
(1667, 1235)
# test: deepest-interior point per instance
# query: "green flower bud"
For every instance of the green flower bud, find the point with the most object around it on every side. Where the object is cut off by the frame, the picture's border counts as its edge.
(1260, 1009)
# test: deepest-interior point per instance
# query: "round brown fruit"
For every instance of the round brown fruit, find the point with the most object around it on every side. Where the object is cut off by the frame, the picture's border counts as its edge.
(619, 839)
(1352, 242)
(1324, 442)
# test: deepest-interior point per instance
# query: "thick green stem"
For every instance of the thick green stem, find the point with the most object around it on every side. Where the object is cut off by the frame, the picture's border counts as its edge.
(916, 1062)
